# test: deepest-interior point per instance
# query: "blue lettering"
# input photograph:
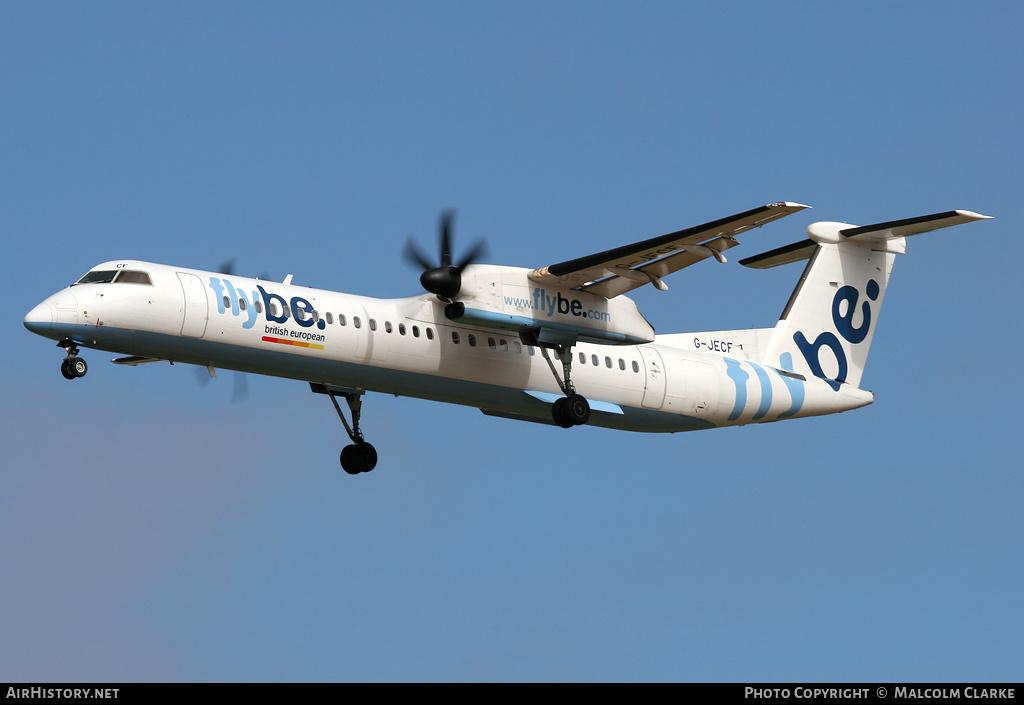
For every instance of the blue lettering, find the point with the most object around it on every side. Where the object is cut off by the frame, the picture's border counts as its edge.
(844, 323)
(218, 291)
(232, 296)
(795, 386)
(267, 299)
(812, 350)
(766, 391)
(250, 309)
(739, 377)
(300, 304)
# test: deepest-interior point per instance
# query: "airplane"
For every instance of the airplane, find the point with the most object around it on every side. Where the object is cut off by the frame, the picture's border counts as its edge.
(559, 345)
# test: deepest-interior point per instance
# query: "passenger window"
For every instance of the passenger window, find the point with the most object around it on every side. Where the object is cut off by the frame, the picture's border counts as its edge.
(272, 309)
(330, 317)
(387, 326)
(504, 345)
(472, 340)
(401, 329)
(241, 303)
(491, 344)
(517, 346)
(593, 359)
(529, 349)
(583, 359)
(415, 331)
(455, 337)
(258, 305)
(342, 320)
(622, 364)
(227, 301)
(430, 333)
(636, 366)
(607, 362)
(356, 322)
(373, 324)
(300, 313)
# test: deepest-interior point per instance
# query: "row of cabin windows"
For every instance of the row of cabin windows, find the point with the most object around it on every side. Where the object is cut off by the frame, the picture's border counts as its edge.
(502, 344)
(493, 344)
(357, 322)
(607, 362)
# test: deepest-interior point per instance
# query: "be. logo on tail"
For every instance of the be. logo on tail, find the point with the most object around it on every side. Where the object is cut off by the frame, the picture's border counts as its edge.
(842, 317)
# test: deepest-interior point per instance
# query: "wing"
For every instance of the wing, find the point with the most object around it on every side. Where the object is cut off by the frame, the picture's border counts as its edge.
(622, 269)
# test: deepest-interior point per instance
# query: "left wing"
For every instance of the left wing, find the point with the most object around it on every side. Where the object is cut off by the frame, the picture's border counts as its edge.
(622, 269)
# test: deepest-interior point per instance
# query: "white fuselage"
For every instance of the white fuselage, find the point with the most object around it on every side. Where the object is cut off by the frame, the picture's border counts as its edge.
(408, 347)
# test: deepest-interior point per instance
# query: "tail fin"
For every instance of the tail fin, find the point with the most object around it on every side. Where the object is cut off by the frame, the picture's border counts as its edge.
(827, 326)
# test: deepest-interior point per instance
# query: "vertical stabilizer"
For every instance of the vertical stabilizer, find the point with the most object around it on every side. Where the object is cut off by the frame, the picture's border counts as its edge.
(827, 326)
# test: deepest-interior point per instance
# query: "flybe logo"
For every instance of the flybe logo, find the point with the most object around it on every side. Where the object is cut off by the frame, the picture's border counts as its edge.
(274, 306)
(550, 305)
(842, 317)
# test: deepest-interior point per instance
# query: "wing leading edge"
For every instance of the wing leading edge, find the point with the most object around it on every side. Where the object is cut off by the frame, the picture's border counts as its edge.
(614, 272)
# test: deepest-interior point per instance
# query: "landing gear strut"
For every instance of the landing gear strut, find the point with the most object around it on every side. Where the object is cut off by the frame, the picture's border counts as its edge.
(72, 366)
(573, 409)
(360, 456)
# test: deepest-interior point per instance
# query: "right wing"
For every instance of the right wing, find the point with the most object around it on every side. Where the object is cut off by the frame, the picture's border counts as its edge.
(622, 269)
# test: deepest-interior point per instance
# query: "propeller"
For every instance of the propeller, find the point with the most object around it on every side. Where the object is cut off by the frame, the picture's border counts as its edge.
(444, 280)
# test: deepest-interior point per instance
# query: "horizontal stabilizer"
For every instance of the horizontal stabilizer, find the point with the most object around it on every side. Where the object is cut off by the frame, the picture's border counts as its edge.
(881, 236)
(781, 255)
(911, 226)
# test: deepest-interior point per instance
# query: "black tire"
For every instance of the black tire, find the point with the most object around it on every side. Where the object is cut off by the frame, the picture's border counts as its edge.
(365, 456)
(357, 458)
(65, 369)
(347, 464)
(560, 414)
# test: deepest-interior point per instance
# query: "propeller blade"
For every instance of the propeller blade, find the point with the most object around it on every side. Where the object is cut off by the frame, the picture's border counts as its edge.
(446, 237)
(227, 267)
(414, 255)
(240, 388)
(479, 250)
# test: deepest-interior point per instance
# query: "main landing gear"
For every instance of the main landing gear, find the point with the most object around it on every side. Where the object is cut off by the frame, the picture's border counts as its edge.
(360, 456)
(72, 366)
(573, 409)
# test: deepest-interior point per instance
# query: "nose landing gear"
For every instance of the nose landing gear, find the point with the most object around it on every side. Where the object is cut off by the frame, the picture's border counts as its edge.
(72, 366)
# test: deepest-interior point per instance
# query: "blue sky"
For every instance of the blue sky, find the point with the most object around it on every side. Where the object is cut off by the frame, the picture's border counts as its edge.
(150, 529)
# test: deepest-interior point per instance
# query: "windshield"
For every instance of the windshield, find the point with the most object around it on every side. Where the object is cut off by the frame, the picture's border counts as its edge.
(124, 276)
(99, 276)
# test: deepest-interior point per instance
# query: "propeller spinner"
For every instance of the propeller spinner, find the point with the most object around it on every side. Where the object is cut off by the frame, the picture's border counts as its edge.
(443, 281)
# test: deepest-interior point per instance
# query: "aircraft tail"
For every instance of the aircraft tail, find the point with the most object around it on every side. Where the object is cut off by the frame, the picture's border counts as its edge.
(827, 326)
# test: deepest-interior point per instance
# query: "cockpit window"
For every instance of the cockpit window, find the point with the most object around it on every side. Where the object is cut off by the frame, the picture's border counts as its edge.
(132, 276)
(99, 276)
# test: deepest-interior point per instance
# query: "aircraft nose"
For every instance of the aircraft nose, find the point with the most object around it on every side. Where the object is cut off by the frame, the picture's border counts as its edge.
(40, 319)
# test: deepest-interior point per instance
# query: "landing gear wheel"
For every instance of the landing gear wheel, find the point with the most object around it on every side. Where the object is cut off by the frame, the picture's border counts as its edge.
(78, 367)
(359, 457)
(577, 408)
(65, 369)
(573, 410)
